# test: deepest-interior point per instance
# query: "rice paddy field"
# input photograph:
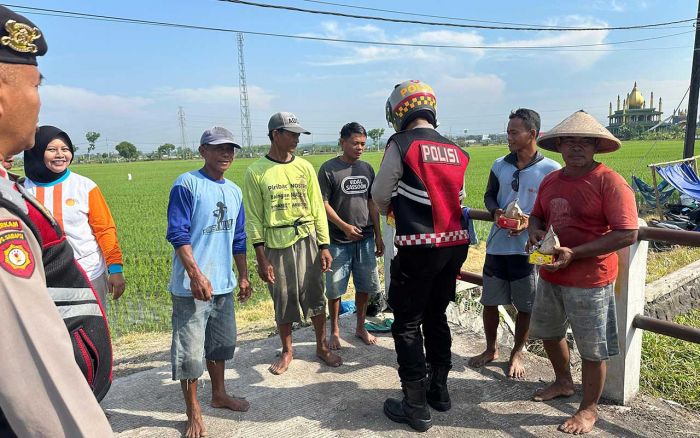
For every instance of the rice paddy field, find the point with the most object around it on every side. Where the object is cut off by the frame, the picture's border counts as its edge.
(670, 368)
(139, 209)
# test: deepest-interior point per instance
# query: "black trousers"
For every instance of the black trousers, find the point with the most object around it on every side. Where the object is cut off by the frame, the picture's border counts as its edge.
(423, 282)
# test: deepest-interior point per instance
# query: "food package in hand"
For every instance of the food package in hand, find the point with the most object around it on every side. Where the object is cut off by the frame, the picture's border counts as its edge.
(543, 253)
(549, 242)
(513, 210)
(513, 217)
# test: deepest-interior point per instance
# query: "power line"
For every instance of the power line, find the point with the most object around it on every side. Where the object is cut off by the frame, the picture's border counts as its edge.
(442, 17)
(561, 48)
(464, 26)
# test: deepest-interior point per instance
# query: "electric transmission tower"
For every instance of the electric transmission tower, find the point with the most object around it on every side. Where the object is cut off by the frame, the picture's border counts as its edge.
(183, 140)
(243, 89)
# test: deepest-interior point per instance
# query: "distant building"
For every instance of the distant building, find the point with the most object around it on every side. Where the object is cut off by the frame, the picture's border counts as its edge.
(635, 116)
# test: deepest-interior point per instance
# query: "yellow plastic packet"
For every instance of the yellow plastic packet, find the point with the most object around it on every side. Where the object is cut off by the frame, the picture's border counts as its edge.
(537, 258)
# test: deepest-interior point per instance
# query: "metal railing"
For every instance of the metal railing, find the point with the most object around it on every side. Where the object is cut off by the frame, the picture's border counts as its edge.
(622, 383)
(666, 328)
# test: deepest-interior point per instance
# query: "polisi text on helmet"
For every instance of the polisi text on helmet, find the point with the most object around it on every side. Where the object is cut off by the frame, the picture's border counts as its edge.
(414, 87)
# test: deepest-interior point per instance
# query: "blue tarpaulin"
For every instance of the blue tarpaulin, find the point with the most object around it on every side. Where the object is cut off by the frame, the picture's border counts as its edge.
(682, 177)
(649, 194)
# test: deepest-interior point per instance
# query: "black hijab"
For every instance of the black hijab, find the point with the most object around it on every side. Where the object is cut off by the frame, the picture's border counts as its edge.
(34, 167)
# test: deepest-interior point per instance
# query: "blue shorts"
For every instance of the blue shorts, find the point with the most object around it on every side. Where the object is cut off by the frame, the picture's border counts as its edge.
(356, 259)
(201, 330)
(509, 279)
(589, 311)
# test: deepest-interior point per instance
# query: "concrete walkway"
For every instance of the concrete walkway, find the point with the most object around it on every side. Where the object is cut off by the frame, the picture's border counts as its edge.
(315, 400)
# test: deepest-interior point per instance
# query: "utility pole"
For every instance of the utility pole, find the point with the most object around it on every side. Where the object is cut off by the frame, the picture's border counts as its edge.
(243, 91)
(183, 139)
(691, 124)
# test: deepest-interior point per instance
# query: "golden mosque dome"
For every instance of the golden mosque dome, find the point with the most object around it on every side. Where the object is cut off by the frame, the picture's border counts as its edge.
(635, 99)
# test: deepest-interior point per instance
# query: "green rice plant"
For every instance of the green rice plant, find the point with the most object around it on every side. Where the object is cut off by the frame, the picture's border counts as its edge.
(671, 367)
(139, 208)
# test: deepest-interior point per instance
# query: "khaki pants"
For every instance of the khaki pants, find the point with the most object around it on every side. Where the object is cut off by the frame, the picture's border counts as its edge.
(297, 292)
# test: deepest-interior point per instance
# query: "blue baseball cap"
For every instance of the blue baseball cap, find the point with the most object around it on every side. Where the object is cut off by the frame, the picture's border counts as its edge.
(218, 135)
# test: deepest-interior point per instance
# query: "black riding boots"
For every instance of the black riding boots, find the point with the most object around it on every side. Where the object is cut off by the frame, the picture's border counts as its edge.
(413, 409)
(437, 395)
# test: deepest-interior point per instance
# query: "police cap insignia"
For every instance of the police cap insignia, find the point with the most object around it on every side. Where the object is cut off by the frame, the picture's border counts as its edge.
(20, 40)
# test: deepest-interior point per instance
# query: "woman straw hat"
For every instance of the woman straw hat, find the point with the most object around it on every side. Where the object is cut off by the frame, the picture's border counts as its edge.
(579, 124)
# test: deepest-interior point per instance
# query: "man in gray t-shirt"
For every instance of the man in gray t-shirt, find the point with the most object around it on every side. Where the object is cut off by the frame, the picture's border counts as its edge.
(353, 222)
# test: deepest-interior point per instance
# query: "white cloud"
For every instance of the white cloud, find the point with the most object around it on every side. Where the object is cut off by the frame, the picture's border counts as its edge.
(472, 87)
(609, 5)
(148, 120)
(365, 54)
(617, 5)
(70, 99)
(354, 54)
(577, 58)
(219, 94)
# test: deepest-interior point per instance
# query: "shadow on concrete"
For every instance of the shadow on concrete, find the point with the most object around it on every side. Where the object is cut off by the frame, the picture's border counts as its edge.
(314, 399)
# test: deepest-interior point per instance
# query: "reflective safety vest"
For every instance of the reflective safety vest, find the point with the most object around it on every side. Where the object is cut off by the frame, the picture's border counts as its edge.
(71, 291)
(427, 200)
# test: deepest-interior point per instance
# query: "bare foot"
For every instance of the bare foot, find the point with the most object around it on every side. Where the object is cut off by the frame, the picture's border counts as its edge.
(581, 422)
(556, 389)
(334, 342)
(367, 337)
(234, 403)
(516, 370)
(195, 423)
(482, 359)
(331, 359)
(282, 363)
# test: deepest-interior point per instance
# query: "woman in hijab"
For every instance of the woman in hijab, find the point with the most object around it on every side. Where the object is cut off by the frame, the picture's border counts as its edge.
(79, 207)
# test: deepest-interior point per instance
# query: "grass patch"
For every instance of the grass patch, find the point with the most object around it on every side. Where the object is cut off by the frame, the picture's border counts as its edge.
(139, 209)
(671, 367)
(660, 264)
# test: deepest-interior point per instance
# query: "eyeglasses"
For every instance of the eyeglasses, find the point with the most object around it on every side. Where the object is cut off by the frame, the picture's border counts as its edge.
(515, 184)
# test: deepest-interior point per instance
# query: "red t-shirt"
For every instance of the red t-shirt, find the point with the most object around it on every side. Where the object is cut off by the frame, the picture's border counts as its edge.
(581, 210)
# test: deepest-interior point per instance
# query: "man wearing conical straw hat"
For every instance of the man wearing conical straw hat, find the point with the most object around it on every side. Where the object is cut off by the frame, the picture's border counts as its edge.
(592, 210)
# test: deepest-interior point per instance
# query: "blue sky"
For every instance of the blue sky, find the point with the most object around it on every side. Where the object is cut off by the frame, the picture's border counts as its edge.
(127, 81)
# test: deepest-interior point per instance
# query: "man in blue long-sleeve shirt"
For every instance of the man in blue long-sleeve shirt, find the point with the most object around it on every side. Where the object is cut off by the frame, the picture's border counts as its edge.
(206, 226)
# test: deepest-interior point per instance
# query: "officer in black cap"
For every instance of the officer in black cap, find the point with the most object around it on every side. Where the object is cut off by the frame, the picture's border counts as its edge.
(42, 390)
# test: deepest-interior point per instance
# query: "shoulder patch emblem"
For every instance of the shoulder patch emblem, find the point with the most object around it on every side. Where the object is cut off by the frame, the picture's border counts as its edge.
(10, 224)
(16, 257)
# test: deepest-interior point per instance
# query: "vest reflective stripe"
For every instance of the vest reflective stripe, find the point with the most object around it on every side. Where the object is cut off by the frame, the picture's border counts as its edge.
(71, 294)
(427, 200)
(432, 238)
(81, 310)
(420, 196)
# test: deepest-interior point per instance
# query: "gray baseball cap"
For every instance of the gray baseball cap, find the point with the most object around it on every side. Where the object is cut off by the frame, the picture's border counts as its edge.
(218, 135)
(286, 121)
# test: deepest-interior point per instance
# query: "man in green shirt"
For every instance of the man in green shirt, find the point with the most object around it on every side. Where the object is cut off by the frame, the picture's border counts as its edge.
(288, 228)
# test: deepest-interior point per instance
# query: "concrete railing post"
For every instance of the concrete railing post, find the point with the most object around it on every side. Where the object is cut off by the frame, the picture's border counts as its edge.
(389, 251)
(622, 383)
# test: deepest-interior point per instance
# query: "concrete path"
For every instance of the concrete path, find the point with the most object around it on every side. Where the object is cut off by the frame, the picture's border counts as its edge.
(315, 400)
